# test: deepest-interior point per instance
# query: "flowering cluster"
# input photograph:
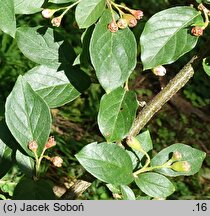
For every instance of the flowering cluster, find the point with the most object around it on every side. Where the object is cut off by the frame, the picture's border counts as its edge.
(127, 19)
(56, 21)
(33, 146)
(48, 13)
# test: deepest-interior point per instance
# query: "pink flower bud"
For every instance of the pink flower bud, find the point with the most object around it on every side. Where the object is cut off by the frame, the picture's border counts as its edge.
(159, 71)
(51, 142)
(176, 156)
(197, 31)
(57, 161)
(138, 14)
(33, 146)
(48, 13)
(56, 21)
(112, 26)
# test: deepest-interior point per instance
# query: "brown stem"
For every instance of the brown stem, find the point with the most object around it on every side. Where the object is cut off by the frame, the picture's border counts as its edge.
(80, 186)
(162, 97)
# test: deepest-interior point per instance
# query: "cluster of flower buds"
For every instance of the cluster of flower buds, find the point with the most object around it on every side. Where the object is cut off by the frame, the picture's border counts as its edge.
(127, 20)
(177, 165)
(48, 13)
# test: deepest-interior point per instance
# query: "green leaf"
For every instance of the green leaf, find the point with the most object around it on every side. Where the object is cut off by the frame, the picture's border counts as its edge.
(115, 189)
(113, 55)
(166, 36)
(84, 57)
(61, 1)
(143, 198)
(5, 158)
(205, 1)
(52, 85)
(88, 11)
(193, 156)
(116, 114)
(7, 147)
(28, 189)
(27, 116)
(155, 185)
(206, 65)
(146, 142)
(2, 103)
(7, 17)
(107, 162)
(127, 193)
(25, 163)
(27, 6)
(44, 46)
(79, 79)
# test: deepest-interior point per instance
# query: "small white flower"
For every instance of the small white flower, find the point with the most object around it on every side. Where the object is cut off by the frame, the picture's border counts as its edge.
(47, 13)
(159, 71)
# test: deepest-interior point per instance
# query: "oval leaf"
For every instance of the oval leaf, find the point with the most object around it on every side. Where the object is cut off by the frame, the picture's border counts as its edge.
(52, 85)
(116, 114)
(166, 36)
(28, 189)
(127, 193)
(27, 6)
(155, 185)
(25, 163)
(44, 46)
(27, 116)
(206, 65)
(113, 55)
(107, 162)
(193, 156)
(88, 11)
(7, 17)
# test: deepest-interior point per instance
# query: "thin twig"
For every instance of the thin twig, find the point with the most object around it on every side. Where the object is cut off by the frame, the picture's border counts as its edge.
(162, 97)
